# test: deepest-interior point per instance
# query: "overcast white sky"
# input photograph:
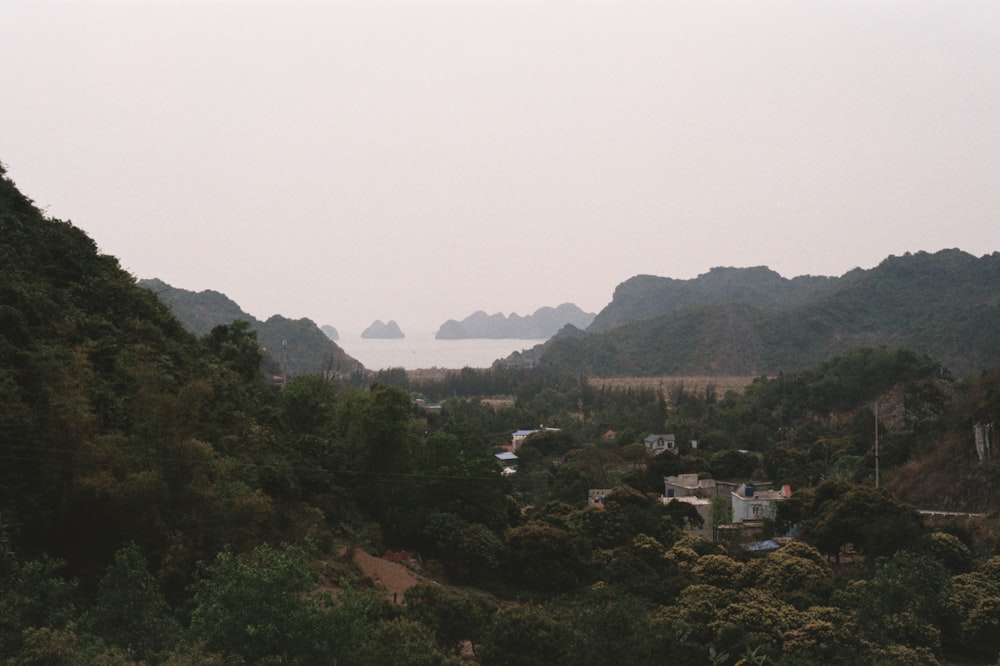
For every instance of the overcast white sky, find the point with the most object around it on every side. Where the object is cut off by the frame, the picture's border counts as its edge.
(419, 160)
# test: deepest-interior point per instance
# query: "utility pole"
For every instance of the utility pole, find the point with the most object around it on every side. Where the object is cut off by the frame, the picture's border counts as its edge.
(284, 366)
(876, 445)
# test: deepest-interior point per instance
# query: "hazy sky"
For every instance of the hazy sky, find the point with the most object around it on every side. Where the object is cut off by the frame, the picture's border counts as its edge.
(419, 160)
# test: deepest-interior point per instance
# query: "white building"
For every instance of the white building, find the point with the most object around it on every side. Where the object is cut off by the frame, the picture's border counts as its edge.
(657, 444)
(749, 503)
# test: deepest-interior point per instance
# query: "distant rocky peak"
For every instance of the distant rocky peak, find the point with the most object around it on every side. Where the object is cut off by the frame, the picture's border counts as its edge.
(383, 331)
(541, 325)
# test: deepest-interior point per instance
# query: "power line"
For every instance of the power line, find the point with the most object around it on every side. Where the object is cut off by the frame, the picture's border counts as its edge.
(39, 456)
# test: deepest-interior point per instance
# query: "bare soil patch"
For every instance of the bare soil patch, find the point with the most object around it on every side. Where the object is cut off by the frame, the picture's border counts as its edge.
(391, 578)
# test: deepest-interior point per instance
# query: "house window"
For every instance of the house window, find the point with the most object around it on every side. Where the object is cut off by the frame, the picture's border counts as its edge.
(756, 510)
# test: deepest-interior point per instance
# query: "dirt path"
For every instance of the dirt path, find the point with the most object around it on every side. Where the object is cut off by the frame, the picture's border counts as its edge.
(392, 578)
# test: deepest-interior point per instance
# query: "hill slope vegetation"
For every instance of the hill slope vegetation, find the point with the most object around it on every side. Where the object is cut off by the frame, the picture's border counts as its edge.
(294, 346)
(752, 321)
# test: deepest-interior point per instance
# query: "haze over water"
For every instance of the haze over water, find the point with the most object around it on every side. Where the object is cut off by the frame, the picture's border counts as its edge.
(415, 353)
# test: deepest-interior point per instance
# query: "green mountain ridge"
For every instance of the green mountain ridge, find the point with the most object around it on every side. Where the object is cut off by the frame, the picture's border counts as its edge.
(296, 346)
(649, 296)
(753, 321)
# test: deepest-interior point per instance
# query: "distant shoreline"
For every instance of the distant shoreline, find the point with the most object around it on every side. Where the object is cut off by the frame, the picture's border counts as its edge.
(428, 353)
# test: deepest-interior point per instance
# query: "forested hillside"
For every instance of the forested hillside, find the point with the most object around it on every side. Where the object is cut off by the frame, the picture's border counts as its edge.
(161, 502)
(292, 346)
(649, 296)
(753, 322)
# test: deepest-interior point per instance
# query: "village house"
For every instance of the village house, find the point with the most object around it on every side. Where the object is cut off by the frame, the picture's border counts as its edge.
(689, 485)
(751, 503)
(518, 436)
(741, 535)
(688, 488)
(657, 444)
(703, 506)
(508, 461)
(596, 496)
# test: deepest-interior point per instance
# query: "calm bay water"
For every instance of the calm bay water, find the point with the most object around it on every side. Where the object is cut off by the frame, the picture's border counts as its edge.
(415, 353)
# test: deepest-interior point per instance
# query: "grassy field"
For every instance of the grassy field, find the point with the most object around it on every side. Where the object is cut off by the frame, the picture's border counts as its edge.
(695, 384)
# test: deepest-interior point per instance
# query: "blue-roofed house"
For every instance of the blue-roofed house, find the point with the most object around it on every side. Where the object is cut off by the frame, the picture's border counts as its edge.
(518, 436)
(508, 460)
